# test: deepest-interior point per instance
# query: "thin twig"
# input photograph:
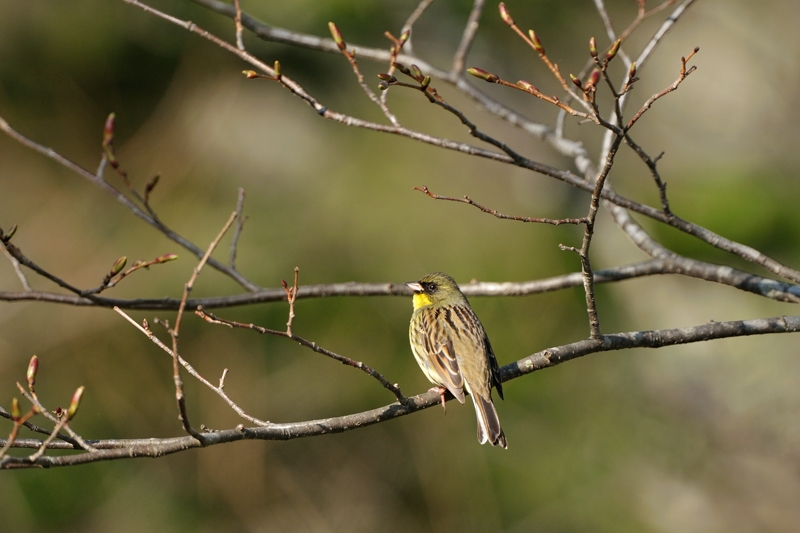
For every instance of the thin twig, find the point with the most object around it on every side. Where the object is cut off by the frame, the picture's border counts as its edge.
(238, 23)
(412, 19)
(15, 263)
(192, 371)
(683, 74)
(237, 230)
(176, 366)
(124, 200)
(467, 37)
(351, 58)
(393, 388)
(291, 296)
(35, 456)
(493, 212)
(31, 397)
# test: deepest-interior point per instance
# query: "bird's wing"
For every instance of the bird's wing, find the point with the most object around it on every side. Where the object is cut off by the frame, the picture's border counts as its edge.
(442, 354)
(473, 352)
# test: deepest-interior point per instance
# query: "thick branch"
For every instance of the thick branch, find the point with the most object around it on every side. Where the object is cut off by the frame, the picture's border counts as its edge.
(121, 449)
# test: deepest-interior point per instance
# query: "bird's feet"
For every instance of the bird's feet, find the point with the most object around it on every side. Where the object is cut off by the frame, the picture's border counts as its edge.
(442, 391)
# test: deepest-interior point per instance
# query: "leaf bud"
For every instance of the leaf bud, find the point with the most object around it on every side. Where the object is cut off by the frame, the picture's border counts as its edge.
(15, 409)
(108, 129)
(10, 233)
(595, 77)
(118, 265)
(613, 50)
(166, 257)
(402, 68)
(337, 36)
(75, 402)
(505, 15)
(537, 44)
(33, 368)
(482, 74)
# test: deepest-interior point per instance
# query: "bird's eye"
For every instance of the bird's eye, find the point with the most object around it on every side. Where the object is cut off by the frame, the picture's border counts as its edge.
(432, 287)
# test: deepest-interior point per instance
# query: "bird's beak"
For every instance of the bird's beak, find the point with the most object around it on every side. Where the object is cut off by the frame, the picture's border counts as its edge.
(415, 286)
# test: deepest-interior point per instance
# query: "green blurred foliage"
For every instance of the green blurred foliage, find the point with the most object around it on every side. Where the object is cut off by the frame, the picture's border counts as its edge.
(697, 438)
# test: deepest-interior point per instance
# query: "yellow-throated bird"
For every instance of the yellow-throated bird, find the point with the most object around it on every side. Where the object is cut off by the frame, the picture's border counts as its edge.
(453, 350)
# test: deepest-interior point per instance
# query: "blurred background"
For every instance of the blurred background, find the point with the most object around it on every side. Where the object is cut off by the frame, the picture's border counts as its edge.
(700, 438)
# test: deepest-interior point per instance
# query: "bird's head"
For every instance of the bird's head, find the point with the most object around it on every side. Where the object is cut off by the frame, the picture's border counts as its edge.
(436, 289)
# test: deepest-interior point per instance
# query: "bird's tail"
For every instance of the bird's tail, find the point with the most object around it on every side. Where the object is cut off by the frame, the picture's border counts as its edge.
(488, 423)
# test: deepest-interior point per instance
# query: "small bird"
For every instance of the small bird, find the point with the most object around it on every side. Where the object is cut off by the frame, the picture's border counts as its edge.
(453, 350)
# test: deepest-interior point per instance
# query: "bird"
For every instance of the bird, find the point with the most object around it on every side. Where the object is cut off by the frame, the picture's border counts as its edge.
(454, 352)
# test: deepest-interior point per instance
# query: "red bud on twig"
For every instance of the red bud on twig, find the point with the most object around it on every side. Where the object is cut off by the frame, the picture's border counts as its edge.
(387, 77)
(166, 257)
(527, 86)
(537, 44)
(576, 81)
(593, 47)
(108, 129)
(33, 368)
(482, 74)
(613, 51)
(505, 15)
(594, 78)
(75, 402)
(337, 36)
(416, 73)
(632, 71)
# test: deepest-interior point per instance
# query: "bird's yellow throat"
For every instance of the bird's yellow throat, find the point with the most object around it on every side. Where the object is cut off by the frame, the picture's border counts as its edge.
(421, 300)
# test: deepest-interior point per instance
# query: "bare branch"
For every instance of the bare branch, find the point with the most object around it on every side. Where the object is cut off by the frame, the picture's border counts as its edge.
(392, 387)
(193, 372)
(176, 366)
(123, 449)
(121, 198)
(15, 263)
(237, 230)
(467, 38)
(470, 201)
